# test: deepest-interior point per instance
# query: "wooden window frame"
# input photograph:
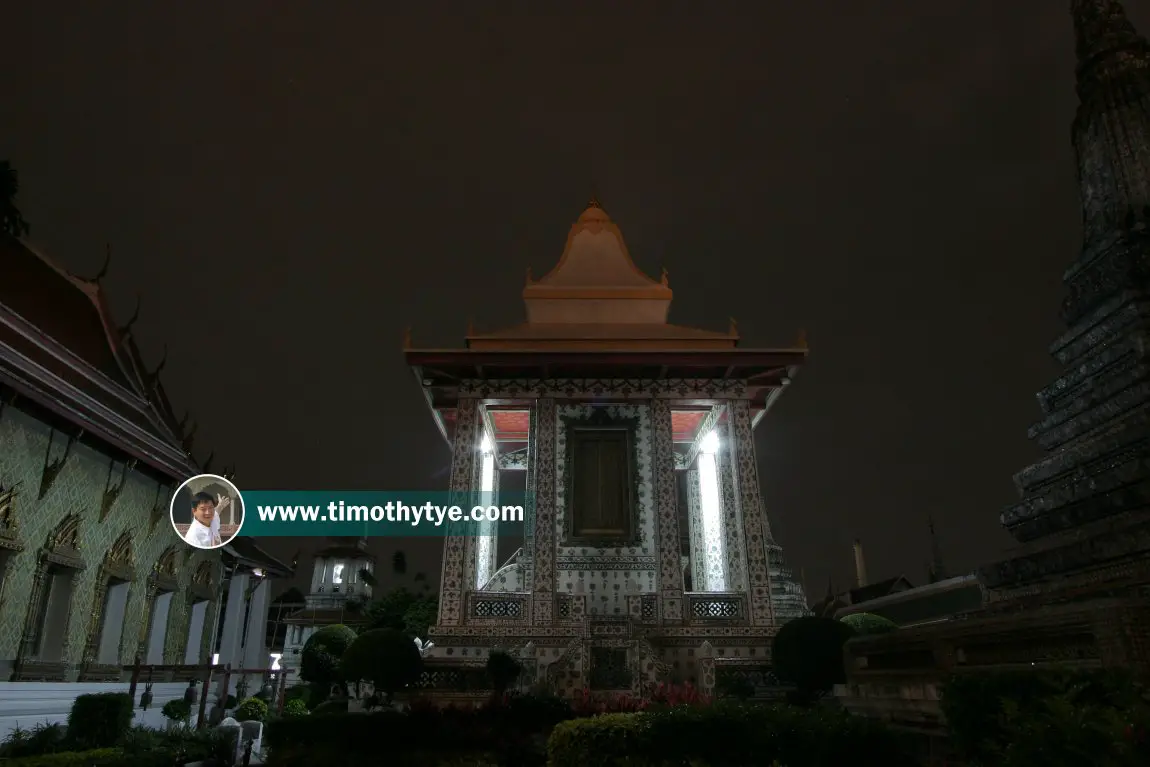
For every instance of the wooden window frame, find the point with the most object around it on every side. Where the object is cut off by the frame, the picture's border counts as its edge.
(601, 421)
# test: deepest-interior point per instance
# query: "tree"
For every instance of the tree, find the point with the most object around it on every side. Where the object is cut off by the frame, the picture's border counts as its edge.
(869, 624)
(502, 670)
(319, 661)
(808, 653)
(11, 220)
(385, 657)
(399, 563)
(403, 610)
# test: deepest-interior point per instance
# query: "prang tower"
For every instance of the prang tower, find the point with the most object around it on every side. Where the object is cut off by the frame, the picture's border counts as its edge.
(647, 549)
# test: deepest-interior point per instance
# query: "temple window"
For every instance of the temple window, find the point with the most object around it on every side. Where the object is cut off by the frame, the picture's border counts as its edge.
(601, 475)
(712, 515)
(48, 641)
(112, 617)
(486, 540)
(158, 633)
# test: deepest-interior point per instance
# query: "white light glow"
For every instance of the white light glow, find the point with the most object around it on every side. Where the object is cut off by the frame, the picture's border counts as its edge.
(710, 443)
(276, 657)
(216, 659)
(337, 573)
(712, 519)
(485, 543)
(257, 572)
(486, 445)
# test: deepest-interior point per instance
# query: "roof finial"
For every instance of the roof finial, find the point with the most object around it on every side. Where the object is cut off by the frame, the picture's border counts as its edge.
(154, 377)
(107, 263)
(407, 337)
(594, 202)
(183, 424)
(937, 568)
(126, 328)
(190, 437)
(733, 328)
(801, 343)
(530, 279)
(206, 468)
(470, 326)
(665, 278)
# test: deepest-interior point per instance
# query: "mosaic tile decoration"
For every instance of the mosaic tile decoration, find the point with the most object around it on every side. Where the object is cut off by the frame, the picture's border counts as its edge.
(666, 503)
(81, 481)
(745, 482)
(452, 586)
(544, 487)
(604, 388)
(698, 560)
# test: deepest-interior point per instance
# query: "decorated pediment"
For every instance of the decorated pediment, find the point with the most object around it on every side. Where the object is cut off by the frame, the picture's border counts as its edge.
(63, 544)
(203, 586)
(166, 571)
(120, 561)
(9, 529)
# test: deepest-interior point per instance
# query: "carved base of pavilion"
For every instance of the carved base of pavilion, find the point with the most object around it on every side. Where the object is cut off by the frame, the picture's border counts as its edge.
(607, 655)
(42, 671)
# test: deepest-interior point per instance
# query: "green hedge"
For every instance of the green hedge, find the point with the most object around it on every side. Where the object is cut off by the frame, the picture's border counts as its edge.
(100, 720)
(96, 758)
(725, 735)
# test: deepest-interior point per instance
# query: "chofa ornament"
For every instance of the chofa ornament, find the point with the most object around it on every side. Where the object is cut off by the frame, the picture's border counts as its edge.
(423, 647)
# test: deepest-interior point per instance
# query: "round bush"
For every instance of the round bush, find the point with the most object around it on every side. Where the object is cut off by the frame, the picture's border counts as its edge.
(808, 653)
(295, 707)
(252, 710)
(321, 654)
(385, 657)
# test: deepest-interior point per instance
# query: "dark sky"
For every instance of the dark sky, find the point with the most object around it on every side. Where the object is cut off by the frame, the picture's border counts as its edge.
(289, 184)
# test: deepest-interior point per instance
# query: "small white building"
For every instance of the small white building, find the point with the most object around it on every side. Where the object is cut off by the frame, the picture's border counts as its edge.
(337, 590)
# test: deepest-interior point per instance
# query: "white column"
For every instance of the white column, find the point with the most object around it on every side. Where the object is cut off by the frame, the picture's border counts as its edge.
(711, 517)
(234, 613)
(255, 653)
(161, 605)
(486, 542)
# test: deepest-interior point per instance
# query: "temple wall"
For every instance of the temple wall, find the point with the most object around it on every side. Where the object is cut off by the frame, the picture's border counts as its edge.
(606, 576)
(80, 487)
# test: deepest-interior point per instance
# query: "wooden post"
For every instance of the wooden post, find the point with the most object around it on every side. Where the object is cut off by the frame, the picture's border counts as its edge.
(201, 720)
(135, 680)
(282, 695)
(226, 686)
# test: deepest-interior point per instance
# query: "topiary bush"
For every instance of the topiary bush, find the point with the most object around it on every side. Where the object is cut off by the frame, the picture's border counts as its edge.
(808, 653)
(319, 660)
(100, 720)
(385, 657)
(295, 707)
(869, 624)
(252, 710)
(177, 710)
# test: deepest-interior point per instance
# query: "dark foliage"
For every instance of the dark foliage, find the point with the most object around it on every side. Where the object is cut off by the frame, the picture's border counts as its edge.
(1052, 717)
(100, 720)
(403, 610)
(11, 221)
(385, 657)
(808, 653)
(319, 661)
(502, 670)
(869, 624)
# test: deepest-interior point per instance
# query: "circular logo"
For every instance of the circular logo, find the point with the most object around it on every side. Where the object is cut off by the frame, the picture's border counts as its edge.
(207, 511)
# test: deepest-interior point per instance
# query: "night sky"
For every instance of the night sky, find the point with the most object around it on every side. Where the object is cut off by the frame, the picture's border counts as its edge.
(289, 184)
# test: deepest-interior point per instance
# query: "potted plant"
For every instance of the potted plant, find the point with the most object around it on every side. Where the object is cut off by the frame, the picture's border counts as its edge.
(178, 712)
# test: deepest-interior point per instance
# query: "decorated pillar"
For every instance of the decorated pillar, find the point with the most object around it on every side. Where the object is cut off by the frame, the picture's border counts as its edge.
(732, 521)
(255, 651)
(666, 512)
(31, 619)
(525, 567)
(543, 424)
(487, 542)
(748, 500)
(695, 528)
(453, 582)
(234, 615)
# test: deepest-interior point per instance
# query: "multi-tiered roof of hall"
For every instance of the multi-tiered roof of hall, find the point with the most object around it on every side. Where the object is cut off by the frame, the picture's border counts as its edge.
(597, 315)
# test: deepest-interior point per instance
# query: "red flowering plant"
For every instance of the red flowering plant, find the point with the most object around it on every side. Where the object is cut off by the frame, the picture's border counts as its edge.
(588, 703)
(673, 695)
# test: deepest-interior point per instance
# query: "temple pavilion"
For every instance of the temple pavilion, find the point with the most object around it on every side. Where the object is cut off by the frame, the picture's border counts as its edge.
(647, 551)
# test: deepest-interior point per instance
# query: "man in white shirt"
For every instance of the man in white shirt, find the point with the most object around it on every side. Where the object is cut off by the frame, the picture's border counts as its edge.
(204, 532)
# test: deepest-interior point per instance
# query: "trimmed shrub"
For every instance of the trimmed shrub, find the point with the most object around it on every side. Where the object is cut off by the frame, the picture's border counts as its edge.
(99, 757)
(295, 707)
(869, 624)
(331, 707)
(387, 658)
(252, 710)
(319, 660)
(100, 720)
(808, 653)
(177, 710)
(727, 735)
